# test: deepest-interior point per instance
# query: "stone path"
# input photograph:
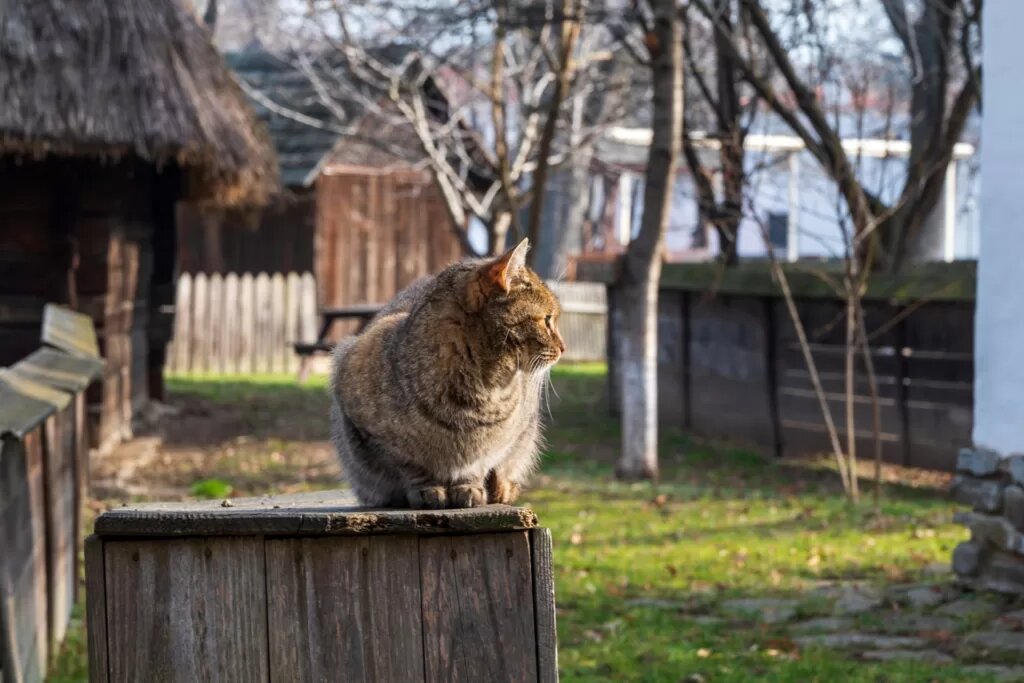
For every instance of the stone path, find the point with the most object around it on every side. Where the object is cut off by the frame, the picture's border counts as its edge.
(937, 623)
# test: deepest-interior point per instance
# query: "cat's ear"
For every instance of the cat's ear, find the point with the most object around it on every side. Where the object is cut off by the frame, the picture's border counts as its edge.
(503, 270)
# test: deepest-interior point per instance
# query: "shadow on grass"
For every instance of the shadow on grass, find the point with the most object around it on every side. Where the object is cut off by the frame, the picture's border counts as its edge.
(218, 409)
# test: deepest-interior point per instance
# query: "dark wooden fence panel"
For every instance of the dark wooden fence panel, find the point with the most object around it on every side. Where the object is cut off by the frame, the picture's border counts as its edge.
(276, 239)
(938, 357)
(376, 233)
(801, 422)
(729, 368)
(672, 321)
(730, 365)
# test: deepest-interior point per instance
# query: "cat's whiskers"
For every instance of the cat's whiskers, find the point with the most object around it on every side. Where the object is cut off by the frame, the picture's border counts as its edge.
(548, 387)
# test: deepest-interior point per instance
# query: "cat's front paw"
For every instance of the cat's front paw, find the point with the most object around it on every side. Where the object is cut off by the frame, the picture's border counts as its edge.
(428, 498)
(501, 490)
(466, 496)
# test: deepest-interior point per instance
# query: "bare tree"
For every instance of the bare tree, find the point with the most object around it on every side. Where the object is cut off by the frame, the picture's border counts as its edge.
(939, 40)
(478, 88)
(719, 101)
(641, 267)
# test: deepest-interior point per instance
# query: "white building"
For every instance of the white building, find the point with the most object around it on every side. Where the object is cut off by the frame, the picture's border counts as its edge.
(795, 197)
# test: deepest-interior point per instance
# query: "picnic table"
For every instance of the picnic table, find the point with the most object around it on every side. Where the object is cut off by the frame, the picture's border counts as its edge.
(328, 316)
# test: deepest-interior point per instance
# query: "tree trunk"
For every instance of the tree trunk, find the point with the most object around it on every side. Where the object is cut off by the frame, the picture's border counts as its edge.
(568, 32)
(642, 263)
(728, 240)
(562, 222)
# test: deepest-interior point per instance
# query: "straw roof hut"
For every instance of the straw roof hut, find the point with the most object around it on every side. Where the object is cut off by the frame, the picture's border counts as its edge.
(115, 78)
(111, 111)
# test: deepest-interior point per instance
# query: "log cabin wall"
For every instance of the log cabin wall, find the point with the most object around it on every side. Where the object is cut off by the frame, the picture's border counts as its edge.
(82, 233)
(34, 254)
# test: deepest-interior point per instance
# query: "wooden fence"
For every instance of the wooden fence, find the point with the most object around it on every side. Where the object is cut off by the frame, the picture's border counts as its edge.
(241, 324)
(584, 319)
(376, 233)
(43, 477)
(247, 324)
(730, 366)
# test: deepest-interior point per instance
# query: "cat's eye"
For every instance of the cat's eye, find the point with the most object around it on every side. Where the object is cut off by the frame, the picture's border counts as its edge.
(547, 320)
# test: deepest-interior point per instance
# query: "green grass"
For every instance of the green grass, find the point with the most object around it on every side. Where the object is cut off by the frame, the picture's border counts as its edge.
(636, 566)
(724, 522)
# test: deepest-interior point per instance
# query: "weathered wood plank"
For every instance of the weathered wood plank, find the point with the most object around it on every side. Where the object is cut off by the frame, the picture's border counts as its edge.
(544, 606)
(215, 326)
(230, 342)
(33, 389)
(23, 575)
(276, 325)
(246, 322)
(352, 609)
(478, 616)
(182, 325)
(320, 513)
(58, 369)
(292, 311)
(186, 610)
(61, 517)
(96, 610)
(82, 478)
(69, 331)
(200, 361)
(307, 316)
(19, 413)
(10, 662)
(261, 342)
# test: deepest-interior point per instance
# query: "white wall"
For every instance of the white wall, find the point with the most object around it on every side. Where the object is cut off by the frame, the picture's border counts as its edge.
(999, 323)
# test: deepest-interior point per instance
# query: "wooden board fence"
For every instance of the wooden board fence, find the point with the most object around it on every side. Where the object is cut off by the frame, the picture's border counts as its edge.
(43, 466)
(241, 324)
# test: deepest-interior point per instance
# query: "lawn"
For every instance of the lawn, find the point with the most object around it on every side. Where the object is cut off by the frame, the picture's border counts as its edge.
(650, 581)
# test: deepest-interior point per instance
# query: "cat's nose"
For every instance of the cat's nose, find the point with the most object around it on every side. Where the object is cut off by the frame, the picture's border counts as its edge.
(560, 342)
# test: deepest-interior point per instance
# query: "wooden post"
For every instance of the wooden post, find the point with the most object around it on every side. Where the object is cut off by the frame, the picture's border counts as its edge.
(308, 587)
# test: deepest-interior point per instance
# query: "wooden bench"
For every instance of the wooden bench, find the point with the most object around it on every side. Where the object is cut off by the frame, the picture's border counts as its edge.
(308, 587)
(328, 316)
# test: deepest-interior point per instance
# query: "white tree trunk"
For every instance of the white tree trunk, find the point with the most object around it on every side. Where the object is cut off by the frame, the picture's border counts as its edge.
(638, 379)
(642, 264)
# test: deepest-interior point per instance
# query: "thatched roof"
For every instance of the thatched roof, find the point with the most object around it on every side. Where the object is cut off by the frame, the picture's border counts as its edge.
(111, 78)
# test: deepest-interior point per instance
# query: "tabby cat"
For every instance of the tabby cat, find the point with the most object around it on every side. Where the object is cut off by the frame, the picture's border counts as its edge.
(436, 404)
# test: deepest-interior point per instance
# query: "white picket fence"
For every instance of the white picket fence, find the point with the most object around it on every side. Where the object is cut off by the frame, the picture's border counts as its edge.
(245, 324)
(241, 324)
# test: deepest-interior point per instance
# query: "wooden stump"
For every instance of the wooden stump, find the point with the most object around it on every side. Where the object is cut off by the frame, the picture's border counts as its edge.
(309, 587)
